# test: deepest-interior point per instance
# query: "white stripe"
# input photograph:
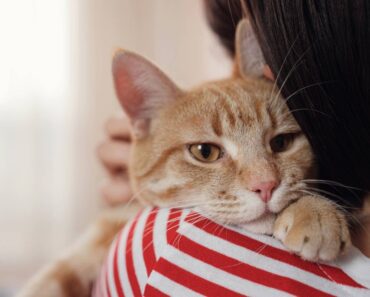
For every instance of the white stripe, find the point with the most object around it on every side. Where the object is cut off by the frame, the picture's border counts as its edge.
(354, 264)
(260, 261)
(160, 231)
(269, 240)
(169, 287)
(355, 292)
(137, 250)
(185, 212)
(110, 284)
(266, 239)
(357, 266)
(218, 276)
(121, 260)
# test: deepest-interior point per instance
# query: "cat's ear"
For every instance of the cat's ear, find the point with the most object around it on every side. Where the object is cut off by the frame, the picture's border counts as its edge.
(249, 57)
(141, 89)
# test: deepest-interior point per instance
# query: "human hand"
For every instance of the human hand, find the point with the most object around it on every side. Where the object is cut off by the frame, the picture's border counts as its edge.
(114, 153)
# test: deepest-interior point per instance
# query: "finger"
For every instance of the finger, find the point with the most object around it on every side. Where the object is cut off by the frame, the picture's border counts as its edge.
(118, 127)
(268, 73)
(116, 191)
(114, 154)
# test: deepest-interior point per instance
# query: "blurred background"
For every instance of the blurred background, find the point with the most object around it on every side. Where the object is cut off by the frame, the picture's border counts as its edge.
(55, 95)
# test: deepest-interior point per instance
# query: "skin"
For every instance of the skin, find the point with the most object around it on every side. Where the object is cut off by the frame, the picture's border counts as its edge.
(113, 153)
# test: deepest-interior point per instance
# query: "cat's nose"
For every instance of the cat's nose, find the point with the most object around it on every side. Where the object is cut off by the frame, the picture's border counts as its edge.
(265, 189)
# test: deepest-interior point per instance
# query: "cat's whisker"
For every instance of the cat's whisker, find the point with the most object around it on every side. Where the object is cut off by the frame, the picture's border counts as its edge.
(223, 203)
(218, 227)
(135, 195)
(291, 71)
(170, 221)
(284, 115)
(283, 64)
(259, 251)
(294, 67)
(151, 230)
(193, 216)
(194, 221)
(345, 211)
(187, 199)
(221, 228)
(189, 205)
(315, 192)
(304, 88)
(328, 193)
(348, 214)
(185, 203)
(176, 241)
(331, 182)
(181, 202)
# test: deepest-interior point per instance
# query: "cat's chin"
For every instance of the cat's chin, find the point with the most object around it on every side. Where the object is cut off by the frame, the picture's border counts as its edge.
(262, 225)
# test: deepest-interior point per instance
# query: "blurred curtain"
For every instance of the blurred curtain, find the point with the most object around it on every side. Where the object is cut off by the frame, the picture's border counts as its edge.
(56, 93)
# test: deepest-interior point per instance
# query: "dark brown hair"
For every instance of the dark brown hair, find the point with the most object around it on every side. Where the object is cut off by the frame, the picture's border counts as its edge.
(319, 52)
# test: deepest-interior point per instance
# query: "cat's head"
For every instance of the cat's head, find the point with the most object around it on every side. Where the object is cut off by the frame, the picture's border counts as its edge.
(230, 148)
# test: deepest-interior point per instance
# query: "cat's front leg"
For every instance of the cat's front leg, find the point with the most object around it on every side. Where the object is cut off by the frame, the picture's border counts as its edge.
(313, 228)
(73, 274)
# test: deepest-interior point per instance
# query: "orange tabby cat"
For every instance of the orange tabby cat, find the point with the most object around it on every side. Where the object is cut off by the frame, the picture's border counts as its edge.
(230, 149)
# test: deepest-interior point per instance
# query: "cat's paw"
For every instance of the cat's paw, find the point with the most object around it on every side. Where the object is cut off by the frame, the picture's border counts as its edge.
(313, 228)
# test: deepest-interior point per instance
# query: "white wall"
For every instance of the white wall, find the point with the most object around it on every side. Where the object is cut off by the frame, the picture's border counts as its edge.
(55, 60)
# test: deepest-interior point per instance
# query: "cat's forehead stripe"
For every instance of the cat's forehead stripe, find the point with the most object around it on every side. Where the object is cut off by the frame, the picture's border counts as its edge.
(231, 147)
(225, 109)
(216, 124)
(239, 104)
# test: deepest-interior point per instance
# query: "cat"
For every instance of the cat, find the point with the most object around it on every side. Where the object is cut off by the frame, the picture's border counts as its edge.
(230, 149)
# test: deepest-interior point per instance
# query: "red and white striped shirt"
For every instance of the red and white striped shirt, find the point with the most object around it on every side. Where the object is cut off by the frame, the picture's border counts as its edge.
(172, 252)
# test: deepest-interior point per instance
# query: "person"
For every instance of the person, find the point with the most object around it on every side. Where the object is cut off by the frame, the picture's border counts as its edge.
(317, 53)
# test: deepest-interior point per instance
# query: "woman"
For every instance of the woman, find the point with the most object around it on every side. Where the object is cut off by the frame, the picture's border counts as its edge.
(318, 54)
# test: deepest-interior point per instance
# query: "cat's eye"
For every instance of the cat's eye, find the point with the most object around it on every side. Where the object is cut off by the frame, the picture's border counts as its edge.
(205, 152)
(281, 142)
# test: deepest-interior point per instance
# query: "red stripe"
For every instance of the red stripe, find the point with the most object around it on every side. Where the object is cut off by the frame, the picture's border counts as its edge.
(130, 262)
(332, 273)
(338, 276)
(153, 292)
(117, 280)
(147, 243)
(192, 281)
(246, 271)
(172, 224)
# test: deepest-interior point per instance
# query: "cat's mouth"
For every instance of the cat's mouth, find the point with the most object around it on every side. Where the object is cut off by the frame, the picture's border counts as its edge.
(267, 211)
(263, 224)
(236, 217)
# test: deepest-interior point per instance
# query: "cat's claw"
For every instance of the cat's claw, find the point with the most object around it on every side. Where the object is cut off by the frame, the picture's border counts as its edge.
(313, 228)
